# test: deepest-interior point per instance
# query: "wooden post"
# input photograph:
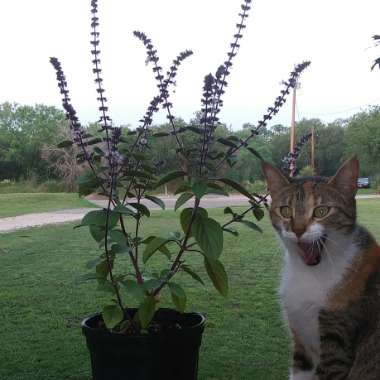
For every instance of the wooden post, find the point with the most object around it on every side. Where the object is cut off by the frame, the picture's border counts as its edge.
(313, 150)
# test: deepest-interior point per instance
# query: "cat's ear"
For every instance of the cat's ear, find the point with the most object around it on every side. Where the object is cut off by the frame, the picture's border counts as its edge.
(346, 178)
(275, 179)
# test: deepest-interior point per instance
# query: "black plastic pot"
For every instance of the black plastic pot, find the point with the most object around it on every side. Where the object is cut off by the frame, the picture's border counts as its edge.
(172, 355)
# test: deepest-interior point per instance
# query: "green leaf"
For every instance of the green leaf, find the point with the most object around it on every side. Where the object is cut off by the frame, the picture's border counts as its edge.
(148, 168)
(148, 239)
(209, 235)
(228, 210)
(120, 248)
(134, 289)
(182, 199)
(93, 263)
(190, 271)
(199, 189)
(178, 296)
(138, 174)
(233, 232)
(99, 217)
(259, 213)
(121, 209)
(142, 209)
(146, 311)
(214, 185)
(118, 237)
(88, 183)
(236, 186)
(218, 275)
(181, 189)
(102, 270)
(215, 155)
(254, 152)
(194, 129)
(94, 141)
(151, 284)
(112, 315)
(157, 201)
(65, 144)
(186, 216)
(97, 232)
(161, 134)
(169, 177)
(175, 235)
(226, 142)
(153, 246)
(251, 225)
(233, 138)
(163, 249)
(98, 151)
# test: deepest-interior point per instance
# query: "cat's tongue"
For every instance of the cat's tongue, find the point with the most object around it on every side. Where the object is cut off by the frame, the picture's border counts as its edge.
(310, 253)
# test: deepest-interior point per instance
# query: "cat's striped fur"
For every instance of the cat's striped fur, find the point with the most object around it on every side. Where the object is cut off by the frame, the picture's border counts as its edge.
(330, 287)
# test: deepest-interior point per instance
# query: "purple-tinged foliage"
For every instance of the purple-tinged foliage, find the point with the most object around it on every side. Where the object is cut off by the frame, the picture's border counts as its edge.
(271, 111)
(376, 38)
(163, 83)
(291, 157)
(77, 131)
(126, 174)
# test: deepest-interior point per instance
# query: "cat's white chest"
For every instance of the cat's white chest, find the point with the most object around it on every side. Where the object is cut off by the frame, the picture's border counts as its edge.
(304, 292)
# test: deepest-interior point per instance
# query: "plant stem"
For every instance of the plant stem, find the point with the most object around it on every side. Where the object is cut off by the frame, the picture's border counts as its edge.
(139, 277)
(114, 284)
(175, 266)
(240, 216)
(137, 228)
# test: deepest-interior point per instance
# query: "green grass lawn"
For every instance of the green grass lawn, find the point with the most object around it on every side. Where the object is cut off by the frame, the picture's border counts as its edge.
(26, 203)
(41, 305)
(369, 191)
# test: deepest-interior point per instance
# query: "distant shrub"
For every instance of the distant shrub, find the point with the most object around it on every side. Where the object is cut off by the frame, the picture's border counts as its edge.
(32, 186)
(306, 171)
(52, 186)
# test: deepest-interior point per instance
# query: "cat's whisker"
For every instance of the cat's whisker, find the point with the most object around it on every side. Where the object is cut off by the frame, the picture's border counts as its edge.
(329, 257)
(333, 241)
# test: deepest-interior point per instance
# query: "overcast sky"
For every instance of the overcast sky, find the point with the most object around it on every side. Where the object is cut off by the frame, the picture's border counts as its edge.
(334, 34)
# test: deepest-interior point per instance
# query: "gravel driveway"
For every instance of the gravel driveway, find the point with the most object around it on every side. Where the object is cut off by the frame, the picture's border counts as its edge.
(65, 216)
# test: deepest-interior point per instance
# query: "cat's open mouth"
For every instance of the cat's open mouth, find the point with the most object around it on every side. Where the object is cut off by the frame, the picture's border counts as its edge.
(311, 253)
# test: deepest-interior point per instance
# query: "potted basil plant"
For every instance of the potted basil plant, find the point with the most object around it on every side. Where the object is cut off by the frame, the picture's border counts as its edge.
(144, 341)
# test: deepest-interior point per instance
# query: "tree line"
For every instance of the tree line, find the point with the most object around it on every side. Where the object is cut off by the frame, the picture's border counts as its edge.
(29, 136)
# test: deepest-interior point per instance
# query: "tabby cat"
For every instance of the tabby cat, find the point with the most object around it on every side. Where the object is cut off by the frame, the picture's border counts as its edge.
(330, 287)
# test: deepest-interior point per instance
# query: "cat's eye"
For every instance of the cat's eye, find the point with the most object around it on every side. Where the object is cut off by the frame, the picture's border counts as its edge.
(320, 212)
(286, 212)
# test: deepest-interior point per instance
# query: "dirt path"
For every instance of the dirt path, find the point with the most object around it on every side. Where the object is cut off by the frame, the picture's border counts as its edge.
(39, 219)
(64, 216)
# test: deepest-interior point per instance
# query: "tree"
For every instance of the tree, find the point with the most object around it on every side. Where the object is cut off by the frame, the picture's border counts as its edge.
(329, 148)
(23, 131)
(362, 138)
(247, 167)
(62, 161)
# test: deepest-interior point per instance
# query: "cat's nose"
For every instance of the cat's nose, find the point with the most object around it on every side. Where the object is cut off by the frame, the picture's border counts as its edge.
(299, 232)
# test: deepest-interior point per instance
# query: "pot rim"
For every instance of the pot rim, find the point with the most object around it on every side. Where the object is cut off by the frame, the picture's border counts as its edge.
(85, 325)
